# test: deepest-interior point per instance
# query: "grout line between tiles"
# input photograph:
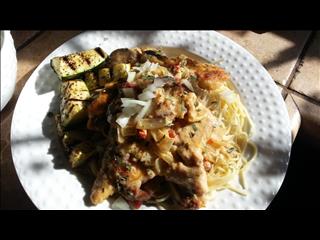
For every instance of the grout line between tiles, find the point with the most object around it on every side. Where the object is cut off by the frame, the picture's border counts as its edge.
(305, 97)
(294, 92)
(300, 59)
(283, 89)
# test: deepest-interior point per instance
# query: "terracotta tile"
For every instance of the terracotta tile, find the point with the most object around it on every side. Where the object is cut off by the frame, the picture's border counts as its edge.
(307, 78)
(294, 115)
(278, 51)
(20, 37)
(310, 115)
(13, 195)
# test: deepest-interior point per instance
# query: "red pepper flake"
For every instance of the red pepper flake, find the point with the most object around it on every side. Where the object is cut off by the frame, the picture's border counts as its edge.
(136, 204)
(129, 85)
(176, 68)
(172, 133)
(122, 170)
(142, 133)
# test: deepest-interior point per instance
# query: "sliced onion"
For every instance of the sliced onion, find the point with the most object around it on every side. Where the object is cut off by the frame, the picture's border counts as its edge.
(145, 66)
(188, 84)
(130, 111)
(120, 204)
(145, 96)
(153, 66)
(123, 120)
(158, 82)
(128, 131)
(131, 76)
(128, 92)
(165, 144)
(144, 111)
(151, 123)
(129, 102)
(127, 112)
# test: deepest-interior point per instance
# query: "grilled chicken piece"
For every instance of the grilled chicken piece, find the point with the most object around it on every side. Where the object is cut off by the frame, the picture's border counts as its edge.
(190, 172)
(196, 110)
(101, 189)
(186, 199)
(169, 103)
(209, 76)
(131, 168)
(192, 178)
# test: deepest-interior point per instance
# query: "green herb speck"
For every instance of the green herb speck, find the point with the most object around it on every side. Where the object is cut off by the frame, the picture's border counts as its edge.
(192, 78)
(194, 127)
(230, 150)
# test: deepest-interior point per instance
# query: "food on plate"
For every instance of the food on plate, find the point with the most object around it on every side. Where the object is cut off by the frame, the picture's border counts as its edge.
(152, 129)
(76, 64)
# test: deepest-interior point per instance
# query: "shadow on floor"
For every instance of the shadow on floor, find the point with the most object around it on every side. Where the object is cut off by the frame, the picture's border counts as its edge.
(299, 189)
(286, 55)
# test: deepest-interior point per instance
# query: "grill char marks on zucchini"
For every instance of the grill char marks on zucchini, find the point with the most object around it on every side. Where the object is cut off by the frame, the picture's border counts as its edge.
(73, 112)
(87, 60)
(101, 52)
(76, 64)
(73, 108)
(69, 62)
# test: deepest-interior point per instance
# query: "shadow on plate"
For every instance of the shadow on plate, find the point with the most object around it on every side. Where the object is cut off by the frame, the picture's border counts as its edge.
(278, 163)
(47, 82)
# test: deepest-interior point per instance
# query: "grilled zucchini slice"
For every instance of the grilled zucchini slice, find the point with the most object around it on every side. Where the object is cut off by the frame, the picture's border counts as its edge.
(74, 65)
(91, 80)
(120, 71)
(81, 153)
(73, 112)
(104, 76)
(75, 90)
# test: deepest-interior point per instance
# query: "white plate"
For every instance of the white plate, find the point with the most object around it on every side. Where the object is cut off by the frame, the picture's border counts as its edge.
(40, 162)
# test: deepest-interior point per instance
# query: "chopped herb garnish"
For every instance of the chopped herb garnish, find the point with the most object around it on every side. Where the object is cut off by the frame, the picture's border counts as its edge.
(183, 108)
(194, 127)
(148, 77)
(191, 134)
(198, 110)
(128, 167)
(169, 99)
(230, 150)
(192, 78)
(196, 103)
